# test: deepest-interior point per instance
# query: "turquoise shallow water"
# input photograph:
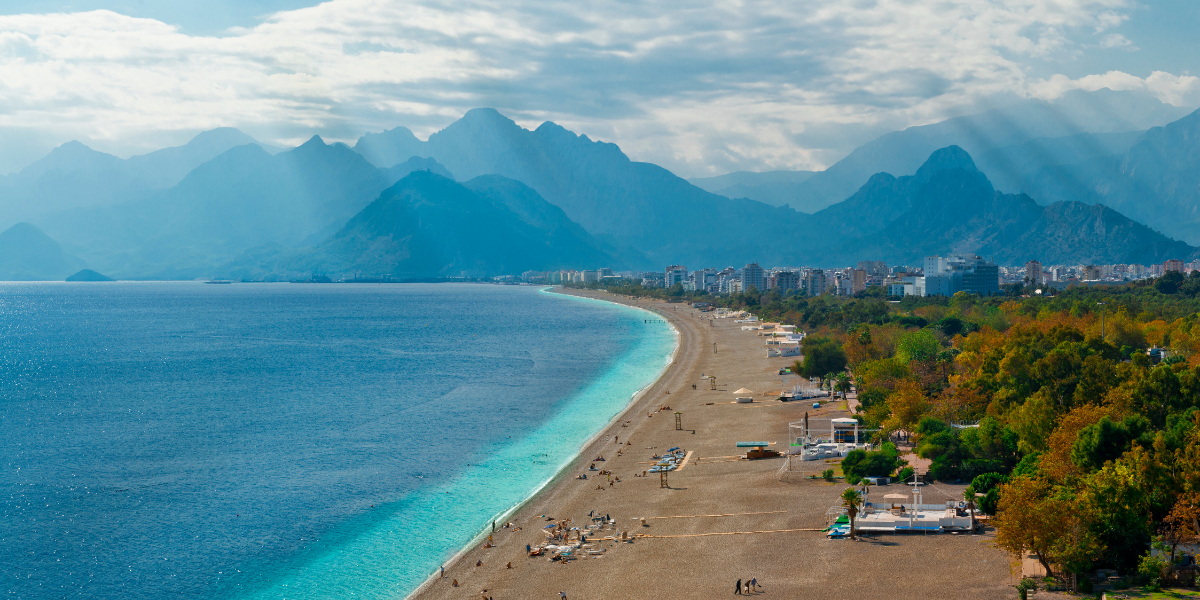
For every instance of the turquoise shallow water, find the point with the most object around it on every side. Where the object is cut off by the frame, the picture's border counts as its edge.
(287, 441)
(389, 554)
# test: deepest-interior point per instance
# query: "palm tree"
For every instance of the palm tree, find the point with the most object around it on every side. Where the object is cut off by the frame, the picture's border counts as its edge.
(843, 384)
(969, 496)
(851, 500)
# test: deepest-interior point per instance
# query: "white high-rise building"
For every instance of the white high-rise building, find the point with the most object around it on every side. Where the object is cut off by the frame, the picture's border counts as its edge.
(753, 276)
(675, 274)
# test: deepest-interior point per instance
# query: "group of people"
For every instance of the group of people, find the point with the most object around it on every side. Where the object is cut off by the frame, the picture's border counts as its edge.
(751, 585)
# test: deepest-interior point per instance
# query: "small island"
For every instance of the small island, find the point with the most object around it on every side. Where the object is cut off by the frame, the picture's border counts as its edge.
(89, 275)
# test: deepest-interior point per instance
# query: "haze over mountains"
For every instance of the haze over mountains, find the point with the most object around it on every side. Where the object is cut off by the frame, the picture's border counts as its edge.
(991, 135)
(225, 206)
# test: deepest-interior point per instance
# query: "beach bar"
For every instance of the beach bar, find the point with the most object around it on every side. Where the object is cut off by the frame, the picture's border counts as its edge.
(901, 513)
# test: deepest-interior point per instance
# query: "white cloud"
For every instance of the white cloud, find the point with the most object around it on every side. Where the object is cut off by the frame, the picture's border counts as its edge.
(1177, 90)
(696, 86)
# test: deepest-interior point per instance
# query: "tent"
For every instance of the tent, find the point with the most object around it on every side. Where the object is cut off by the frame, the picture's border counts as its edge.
(744, 392)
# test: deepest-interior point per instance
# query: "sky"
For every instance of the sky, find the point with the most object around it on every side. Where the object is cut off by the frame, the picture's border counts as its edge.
(702, 88)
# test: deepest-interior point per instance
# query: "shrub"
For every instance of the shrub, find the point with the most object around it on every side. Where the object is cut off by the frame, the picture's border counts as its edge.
(827, 475)
(877, 463)
(905, 474)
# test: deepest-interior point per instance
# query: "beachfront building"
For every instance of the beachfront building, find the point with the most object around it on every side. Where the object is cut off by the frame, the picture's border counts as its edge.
(675, 274)
(1173, 265)
(752, 276)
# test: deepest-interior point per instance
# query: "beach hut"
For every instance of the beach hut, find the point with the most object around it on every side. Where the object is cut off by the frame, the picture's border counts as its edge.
(744, 396)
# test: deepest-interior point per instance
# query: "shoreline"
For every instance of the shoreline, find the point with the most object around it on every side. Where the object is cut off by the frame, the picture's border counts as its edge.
(559, 475)
(720, 517)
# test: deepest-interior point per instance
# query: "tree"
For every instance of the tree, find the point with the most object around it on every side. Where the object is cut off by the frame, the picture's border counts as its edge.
(918, 346)
(1169, 283)
(989, 484)
(843, 384)
(1034, 517)
(851, 500)
(822, 358)
(876, 463)
(1105, 440)
(908, 405)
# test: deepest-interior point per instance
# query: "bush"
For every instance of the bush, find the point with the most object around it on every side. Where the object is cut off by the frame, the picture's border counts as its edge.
(905, 474)
(1152, 569)
(853, 479)
(877, 463)
(989, 484)
(827, 475)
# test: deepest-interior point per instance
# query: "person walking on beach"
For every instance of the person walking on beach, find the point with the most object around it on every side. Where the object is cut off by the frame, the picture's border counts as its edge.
(737, 587)
(443, 571)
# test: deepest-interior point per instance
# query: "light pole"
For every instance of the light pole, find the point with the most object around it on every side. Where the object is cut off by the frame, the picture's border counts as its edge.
(1102, 304)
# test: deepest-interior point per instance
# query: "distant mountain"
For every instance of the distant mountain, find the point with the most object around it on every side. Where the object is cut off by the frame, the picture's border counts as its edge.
(389, 147)
(1075, 113)
(1155, 180)
(241, 199)
(28, 254)
(626, 203)
(164, 168)
(777, 188)
(950, 206)
(88, 275)
(74, 176)
(427, 225)
(1159, 181)
(1023, 167)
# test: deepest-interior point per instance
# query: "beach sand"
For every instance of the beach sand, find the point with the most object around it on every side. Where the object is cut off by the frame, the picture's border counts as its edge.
(768, 528)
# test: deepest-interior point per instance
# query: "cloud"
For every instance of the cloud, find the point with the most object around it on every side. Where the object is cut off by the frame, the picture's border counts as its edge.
(699, 87)
(1177, 90)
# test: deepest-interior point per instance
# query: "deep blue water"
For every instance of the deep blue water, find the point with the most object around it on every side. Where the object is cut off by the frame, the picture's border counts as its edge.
(287, 441)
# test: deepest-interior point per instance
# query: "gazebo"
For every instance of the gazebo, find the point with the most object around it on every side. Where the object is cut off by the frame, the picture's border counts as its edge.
(744, 396)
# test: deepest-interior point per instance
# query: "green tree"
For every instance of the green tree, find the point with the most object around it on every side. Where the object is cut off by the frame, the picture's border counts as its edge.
(917, 346)
(1105, 441)
(851, 500)
(1169, 283)
(822, 357)
(876, 463)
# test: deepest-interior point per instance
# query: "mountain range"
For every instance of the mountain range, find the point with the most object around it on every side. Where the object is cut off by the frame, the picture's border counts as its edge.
(991, 135)
(73, 175)
(949, 205)
(428, 225)
(395, 204)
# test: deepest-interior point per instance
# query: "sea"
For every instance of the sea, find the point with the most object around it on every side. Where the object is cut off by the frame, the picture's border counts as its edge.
(271, 441)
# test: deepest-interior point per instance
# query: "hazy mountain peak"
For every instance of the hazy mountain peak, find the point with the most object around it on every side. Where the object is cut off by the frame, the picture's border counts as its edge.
(390, 147)
(944, 159)
(314, 141)
(221, 136)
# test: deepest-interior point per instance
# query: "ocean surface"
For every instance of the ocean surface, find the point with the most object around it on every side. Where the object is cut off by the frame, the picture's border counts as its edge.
(182, 440)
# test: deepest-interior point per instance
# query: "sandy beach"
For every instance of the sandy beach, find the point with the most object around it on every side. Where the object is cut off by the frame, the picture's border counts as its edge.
(722, 518)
